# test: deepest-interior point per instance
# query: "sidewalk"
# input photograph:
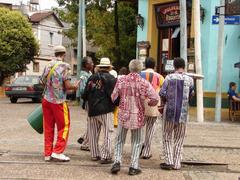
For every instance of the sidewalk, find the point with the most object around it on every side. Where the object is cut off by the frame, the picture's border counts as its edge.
(211, 150)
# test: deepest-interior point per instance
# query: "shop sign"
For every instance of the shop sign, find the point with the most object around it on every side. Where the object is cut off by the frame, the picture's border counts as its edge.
(169, 15)
(169, 65)
(232, 7)
(229, 20)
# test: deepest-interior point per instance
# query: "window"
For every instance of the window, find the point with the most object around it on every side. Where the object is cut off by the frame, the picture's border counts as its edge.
(36, 67)
(51, 38)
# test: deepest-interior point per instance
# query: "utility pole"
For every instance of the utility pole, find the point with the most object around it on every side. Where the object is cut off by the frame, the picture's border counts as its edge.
(116, 29)
(198, 60)
(183, 30)
(219, 62)
(79, 46)
(84, 28)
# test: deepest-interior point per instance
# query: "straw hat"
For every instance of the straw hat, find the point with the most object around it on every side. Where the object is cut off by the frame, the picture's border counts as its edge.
(59, 49)
(105, 62)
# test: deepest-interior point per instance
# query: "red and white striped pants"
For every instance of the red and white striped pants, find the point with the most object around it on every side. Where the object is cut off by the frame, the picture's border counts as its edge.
(150, 129)
(172, 149)
(94, 128)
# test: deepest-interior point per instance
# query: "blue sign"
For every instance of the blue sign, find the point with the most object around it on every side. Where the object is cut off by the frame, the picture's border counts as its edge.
(229, 20)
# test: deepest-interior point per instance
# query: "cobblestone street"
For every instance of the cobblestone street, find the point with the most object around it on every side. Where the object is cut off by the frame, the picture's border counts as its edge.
(211, 150)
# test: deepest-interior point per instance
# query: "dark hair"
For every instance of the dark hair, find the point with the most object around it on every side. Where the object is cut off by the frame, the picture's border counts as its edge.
(123, 71)
(150, 62)
(179, 63)
(85, 61)
(57, 54)
(231, 84)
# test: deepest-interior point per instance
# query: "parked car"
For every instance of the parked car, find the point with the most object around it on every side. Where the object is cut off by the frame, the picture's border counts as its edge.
(71, 94)
(25, 87)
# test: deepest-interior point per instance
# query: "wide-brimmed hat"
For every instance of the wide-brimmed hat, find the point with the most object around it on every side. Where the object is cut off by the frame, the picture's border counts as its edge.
(105, 62)
(59, 49)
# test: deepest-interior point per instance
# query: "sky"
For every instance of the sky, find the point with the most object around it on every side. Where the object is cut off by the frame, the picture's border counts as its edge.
(44, 4)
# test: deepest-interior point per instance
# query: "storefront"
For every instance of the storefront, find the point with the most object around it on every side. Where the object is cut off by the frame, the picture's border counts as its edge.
(161, 34)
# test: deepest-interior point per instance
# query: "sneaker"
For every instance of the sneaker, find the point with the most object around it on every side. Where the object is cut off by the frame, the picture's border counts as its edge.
(96, 158)
(146, 157)
(133, 171)
(166, 166)
(80, 140)
(84, 148)
(115, 168)
(59, 157)
(106, 161)
(47, 158)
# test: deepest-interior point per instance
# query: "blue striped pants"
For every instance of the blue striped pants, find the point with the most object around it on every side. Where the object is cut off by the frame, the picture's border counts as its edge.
(150, 129)
(173, 137)
(94, 128)
(136, 140)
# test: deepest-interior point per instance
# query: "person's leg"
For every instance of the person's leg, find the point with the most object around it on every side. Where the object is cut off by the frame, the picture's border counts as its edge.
(48, 127)
(136, 140)
(94, 131)
(85, 138)
(119, 142)
(167, 141)
(106, 120)
(150, 129)
(179, 135)
(62, 118)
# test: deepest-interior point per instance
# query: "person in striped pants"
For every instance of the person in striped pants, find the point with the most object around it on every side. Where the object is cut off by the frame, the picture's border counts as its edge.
(97, 94)
(151, 113)
(131, 91)
(175, 93)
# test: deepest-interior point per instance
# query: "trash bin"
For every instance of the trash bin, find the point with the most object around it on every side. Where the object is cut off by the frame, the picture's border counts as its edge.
(35, 119)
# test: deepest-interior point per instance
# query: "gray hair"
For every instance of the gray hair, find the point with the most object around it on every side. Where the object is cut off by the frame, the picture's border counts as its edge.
(135, 65)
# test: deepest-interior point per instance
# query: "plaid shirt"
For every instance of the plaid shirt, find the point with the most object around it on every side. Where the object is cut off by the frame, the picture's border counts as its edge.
(133, 90)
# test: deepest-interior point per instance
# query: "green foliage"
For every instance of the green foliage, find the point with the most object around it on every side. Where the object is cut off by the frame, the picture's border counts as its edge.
(100, 27)
(18, 45)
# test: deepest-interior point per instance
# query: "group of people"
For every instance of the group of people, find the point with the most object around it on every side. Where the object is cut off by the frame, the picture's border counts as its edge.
(141, 96)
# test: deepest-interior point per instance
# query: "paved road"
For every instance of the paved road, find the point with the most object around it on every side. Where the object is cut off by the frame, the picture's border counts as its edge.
(211, 151)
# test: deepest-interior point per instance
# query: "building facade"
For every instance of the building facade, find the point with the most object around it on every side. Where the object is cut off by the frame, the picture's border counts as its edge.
(161, 31)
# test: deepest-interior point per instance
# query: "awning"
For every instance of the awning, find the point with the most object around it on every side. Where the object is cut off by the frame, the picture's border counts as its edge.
(237, 65)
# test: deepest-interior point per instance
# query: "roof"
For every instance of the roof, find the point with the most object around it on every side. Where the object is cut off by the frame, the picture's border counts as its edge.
(39, 16)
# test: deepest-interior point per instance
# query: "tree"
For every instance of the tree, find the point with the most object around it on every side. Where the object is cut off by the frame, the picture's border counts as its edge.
(18, 45)
(101, 27)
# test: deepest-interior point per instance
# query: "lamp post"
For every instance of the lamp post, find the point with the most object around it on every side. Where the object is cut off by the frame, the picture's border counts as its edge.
(79, 46)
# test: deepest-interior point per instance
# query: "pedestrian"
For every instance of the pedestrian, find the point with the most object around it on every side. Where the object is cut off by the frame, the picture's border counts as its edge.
(56, 77)
(151, 113)
(100, 107)
(175, 93)
(132, 91)
(85, 73)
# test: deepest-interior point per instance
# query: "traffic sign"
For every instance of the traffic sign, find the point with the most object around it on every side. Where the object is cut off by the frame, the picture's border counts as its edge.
(229, 20)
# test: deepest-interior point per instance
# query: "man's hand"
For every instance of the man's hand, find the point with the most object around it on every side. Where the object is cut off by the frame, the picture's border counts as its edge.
(76, 84)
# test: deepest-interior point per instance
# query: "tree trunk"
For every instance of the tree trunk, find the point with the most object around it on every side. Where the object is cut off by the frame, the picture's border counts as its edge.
(1, 78)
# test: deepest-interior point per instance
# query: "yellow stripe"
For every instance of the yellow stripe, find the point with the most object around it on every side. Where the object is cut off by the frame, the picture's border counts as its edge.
(66, 121)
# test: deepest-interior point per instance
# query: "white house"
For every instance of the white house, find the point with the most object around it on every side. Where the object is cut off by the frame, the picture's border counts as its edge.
(48, 30)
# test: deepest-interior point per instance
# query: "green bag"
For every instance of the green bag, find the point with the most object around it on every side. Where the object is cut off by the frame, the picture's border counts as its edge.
(35, 118)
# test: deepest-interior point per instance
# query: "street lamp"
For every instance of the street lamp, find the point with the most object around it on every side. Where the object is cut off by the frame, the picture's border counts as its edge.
(140, 21)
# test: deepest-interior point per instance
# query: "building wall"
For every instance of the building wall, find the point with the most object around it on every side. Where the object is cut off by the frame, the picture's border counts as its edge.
(209, 41)
(209, 50)
(42, 65)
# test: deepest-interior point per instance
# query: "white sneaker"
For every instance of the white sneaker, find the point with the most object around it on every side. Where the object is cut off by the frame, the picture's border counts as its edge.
(47, 158)
(60, 157)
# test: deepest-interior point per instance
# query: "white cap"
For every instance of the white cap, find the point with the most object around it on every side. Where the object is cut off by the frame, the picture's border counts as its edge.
(58, 49)
(105, 62)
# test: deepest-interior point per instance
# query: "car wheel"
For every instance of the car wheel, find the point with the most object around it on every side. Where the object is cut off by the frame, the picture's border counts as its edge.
(36, 100)
(13, 99)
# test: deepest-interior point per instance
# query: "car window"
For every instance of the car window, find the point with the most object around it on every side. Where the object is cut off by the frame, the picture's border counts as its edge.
(27, 80)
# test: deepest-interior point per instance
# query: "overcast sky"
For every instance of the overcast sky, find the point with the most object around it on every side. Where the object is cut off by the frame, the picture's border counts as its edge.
(44, 4)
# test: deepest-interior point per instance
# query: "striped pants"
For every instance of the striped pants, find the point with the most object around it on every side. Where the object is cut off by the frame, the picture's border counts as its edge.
(94, 128)
(150, 129)
(86, 136)
(136, 140)
(172, 150)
